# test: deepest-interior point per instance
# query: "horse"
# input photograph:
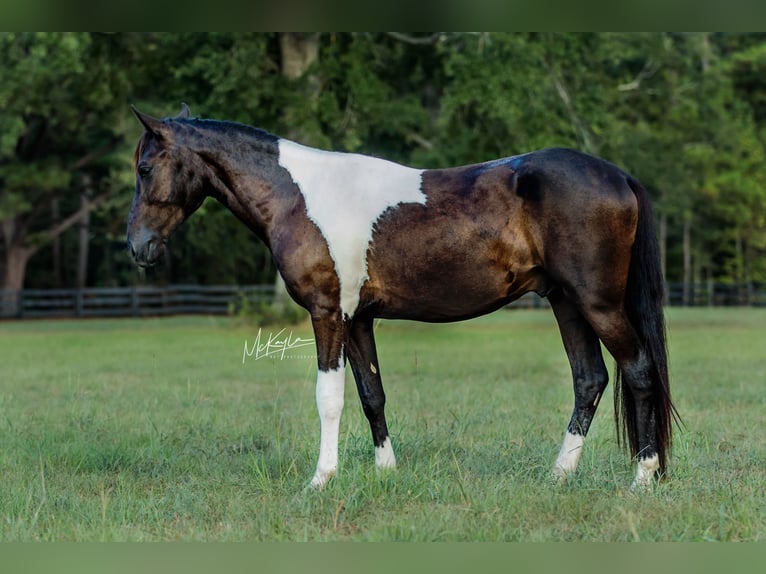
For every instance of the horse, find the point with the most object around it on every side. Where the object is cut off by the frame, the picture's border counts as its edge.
(357, 237)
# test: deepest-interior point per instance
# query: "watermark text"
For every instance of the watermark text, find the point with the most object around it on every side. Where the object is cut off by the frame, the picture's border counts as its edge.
(276, 345)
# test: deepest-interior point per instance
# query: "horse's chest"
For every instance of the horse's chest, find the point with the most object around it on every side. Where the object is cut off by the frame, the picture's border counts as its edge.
(345, 194)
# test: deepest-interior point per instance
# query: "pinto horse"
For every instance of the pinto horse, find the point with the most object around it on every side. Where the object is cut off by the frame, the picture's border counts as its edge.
(357, 237)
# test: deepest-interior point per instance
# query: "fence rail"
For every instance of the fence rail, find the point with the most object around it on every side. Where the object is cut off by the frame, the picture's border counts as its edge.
(716, 294)
(130, 301)
(223, 299)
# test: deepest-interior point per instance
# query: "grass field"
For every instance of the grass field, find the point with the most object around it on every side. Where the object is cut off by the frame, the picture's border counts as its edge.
(156, 430)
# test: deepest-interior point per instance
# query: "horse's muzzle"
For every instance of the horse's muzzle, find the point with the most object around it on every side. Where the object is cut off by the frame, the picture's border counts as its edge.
(146, 249)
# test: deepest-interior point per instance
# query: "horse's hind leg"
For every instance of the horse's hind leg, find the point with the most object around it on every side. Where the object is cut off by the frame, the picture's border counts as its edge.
(589, 375)
(364, 363)
(618, 335)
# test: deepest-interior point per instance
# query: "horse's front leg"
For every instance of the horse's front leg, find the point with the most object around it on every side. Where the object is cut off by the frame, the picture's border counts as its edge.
(364, 363)
(329, 332)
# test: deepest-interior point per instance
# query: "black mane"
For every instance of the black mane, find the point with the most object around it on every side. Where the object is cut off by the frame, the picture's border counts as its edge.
(196, 128)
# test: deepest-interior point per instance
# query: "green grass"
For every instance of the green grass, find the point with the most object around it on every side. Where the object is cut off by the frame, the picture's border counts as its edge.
(156, 430)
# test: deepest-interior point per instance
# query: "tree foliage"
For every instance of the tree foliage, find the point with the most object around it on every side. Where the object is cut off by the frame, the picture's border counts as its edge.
(685, 113)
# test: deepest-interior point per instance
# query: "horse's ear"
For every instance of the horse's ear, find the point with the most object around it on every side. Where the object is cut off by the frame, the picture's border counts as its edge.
(184, 113)
(153, 125)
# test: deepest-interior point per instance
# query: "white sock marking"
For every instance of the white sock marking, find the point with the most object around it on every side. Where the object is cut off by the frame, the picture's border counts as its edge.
(345, 194)
(645, 472)
(569, 455)
(329, 397)
(384, 455)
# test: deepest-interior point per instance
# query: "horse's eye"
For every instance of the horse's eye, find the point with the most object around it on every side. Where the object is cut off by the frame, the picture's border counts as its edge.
(144, 169)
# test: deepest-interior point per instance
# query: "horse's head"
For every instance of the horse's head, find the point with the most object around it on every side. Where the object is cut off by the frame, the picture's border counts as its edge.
(168, 186)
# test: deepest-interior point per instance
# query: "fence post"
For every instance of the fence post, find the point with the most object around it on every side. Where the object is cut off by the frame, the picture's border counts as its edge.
(20, 304)
(134, 301)
(79, 301)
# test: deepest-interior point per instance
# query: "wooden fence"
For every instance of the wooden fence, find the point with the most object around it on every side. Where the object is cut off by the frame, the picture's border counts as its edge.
(130, 301)
(223, 299)
(716, 295)
(692, 295)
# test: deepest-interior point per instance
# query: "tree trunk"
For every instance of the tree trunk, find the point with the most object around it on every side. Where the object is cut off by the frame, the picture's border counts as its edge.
(56, 244)
(16, 259)
(299, 51)
(13, 266)
(749, 273)
(738, 258)
(82, 260)
(687, 241)
(663, 238)
(14, 269)
(17, 253)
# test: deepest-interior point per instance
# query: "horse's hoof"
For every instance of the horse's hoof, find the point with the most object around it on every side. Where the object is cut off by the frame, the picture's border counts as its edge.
(641, 486)
(559, 475)
(645, 472)
(320, 480)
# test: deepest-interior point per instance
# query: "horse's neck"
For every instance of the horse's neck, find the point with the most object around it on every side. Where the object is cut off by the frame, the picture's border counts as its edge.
(246, 177)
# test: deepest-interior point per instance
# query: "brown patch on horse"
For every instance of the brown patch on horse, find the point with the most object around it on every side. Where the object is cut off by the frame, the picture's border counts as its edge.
(462, 254)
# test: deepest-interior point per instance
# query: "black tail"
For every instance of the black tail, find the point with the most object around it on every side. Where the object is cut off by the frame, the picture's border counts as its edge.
(644, 307)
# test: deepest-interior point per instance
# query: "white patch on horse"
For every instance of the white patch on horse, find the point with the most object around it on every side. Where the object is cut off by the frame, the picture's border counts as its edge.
(569, 455)
(345, 194)
(329, 397)
(645, 472)
(384, 455)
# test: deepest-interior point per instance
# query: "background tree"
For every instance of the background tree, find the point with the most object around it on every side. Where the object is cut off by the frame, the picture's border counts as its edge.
(684, 113)
(59, 121)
